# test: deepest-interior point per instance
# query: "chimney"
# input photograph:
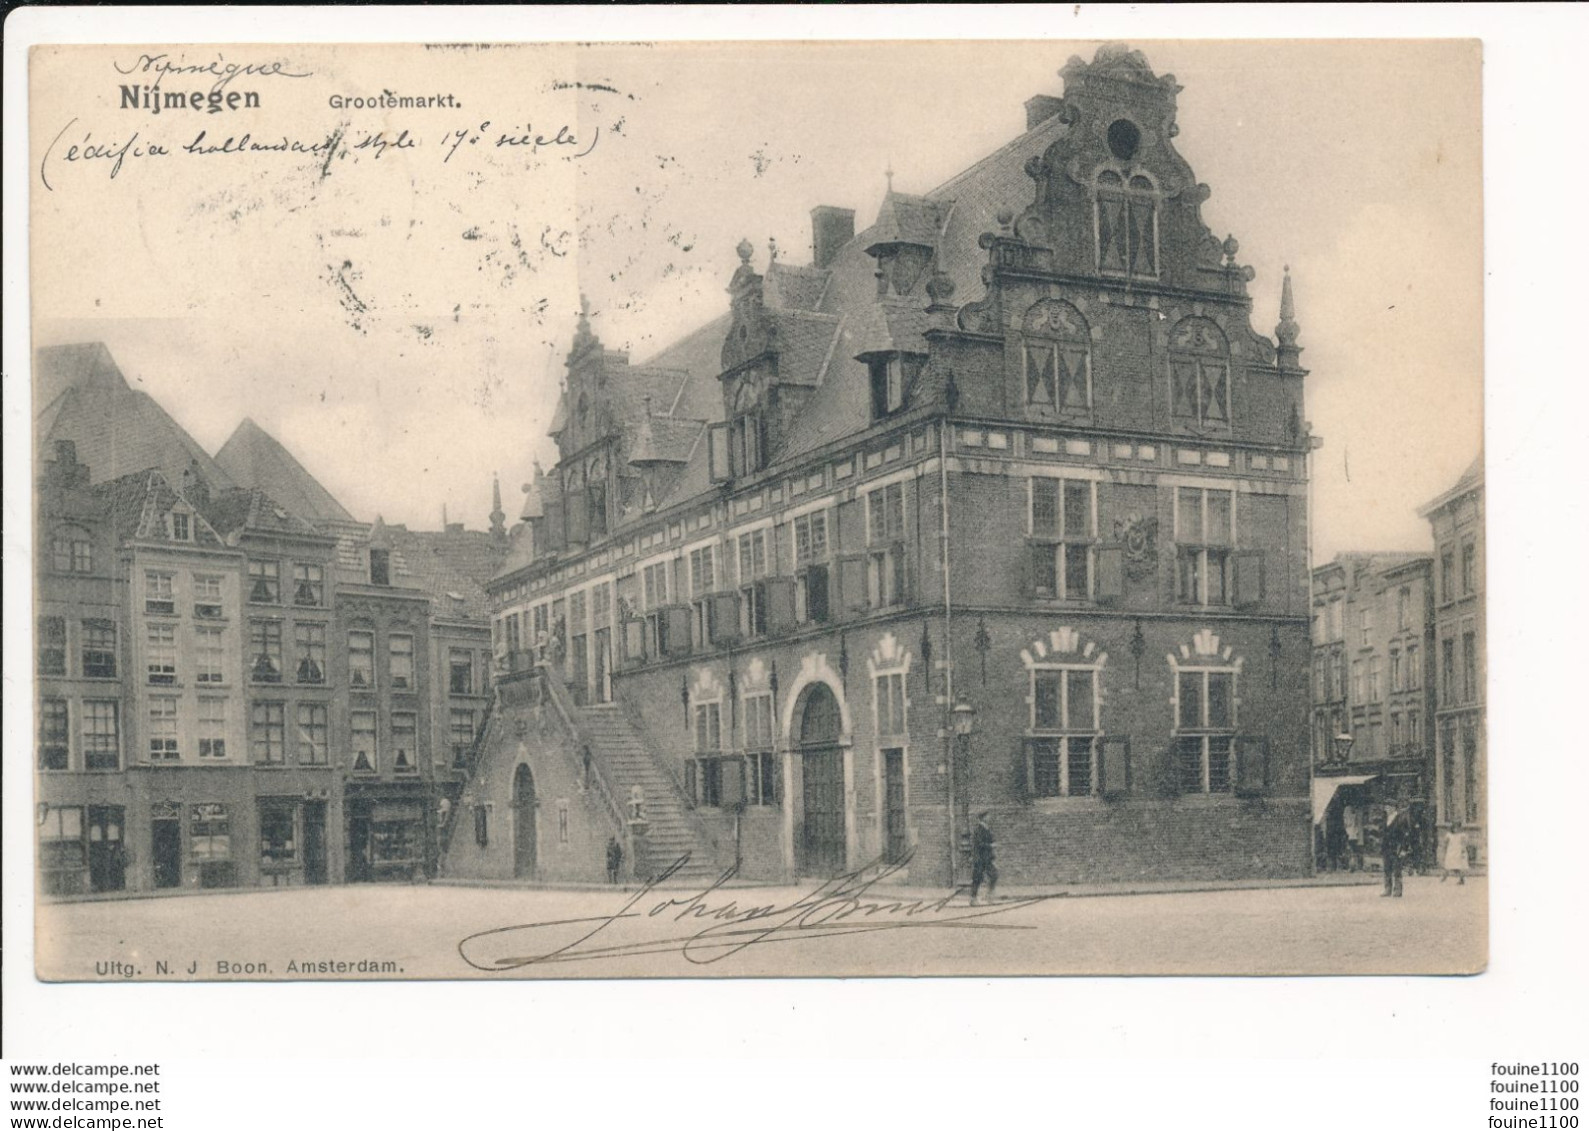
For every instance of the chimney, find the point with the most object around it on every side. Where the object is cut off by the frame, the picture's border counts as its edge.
(831, 229)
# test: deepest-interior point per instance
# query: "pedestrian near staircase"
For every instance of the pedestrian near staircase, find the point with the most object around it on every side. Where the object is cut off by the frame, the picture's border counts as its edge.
(629, 762)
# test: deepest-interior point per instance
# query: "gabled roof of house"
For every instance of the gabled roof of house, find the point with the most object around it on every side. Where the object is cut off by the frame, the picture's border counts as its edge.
(248, 508)
(451, 566)
(255, 458)
(137, 504)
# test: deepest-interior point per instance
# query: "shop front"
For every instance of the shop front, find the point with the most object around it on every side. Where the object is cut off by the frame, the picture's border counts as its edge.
(1350, 811)
(390, 836)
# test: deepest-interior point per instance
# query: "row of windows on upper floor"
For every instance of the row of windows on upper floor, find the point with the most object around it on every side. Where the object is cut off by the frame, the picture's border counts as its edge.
(73, 553)
(100, 739)
(1329, 675)
(571, 520)
(722, 593)
(1329, 619)
(1458, 681)
(265, 661)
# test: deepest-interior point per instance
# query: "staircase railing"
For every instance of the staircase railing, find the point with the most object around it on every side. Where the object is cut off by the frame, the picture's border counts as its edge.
(562, 702)
(703, 837)
(471, 764)
(631, 715)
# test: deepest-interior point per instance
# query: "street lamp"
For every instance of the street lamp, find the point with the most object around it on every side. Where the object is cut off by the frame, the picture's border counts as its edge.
(962, 719)
(1343, 746)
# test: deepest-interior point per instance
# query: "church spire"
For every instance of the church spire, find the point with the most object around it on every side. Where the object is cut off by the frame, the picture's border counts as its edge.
(1288, 355)
(498, 530)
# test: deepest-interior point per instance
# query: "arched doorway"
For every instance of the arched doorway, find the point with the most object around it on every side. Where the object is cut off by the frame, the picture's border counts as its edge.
(523, 823)
(822, 781)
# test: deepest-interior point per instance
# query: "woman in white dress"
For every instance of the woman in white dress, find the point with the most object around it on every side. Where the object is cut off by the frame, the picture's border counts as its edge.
(1456, 856)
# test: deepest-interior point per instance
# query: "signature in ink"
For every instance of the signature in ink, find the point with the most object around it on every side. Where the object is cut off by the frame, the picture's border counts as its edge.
(218, 68)
(707, 927)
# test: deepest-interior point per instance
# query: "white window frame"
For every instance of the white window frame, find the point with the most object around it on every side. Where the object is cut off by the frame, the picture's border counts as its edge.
(160, 654)
(1202, 548)
(1060, 542)
(1206, 731)
(211, 727)
(164, 729)
(1067, 730)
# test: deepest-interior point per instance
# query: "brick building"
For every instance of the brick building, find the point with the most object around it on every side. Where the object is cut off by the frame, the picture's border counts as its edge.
(239, 683)
(1456, 520)
(1373, 702)
(1012, 453)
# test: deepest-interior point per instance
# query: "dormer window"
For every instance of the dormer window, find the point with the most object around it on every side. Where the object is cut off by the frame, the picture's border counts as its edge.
(892, 376)
(1127, 220)
(380, 567)
(749, 443)
(181, 526)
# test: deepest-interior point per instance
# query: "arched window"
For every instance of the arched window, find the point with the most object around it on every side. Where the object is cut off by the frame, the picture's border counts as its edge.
(1200, 374)
(1126, 215)
(72, 550)
(1065, 720)
(1056, 361)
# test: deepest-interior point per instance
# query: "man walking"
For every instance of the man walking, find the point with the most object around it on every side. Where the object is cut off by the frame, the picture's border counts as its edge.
(1390, 849)
(614, 859)
(982, 867)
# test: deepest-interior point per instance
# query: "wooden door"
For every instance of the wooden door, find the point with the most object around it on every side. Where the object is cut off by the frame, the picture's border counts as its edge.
(896, 841)
(314, 842)
(107, 855)
(523, 823)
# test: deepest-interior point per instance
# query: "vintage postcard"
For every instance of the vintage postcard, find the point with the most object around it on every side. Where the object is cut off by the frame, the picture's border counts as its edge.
(777, 509)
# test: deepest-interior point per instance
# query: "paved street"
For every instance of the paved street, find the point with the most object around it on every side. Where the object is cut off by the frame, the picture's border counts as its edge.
(416, 933)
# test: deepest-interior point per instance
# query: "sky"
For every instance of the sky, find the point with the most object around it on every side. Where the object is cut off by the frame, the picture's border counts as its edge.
(399, 321)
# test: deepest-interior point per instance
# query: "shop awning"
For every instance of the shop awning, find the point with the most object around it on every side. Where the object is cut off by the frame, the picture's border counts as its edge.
(1324, 790)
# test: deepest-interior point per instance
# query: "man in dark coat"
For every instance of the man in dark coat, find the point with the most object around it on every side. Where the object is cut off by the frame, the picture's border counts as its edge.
(1391, 849)
(982, 867)
(614, 859)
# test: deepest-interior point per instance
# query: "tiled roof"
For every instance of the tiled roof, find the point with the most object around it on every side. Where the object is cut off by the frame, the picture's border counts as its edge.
(805, 340)
(451, 566)
(907, 219)
(254, 458)
(664, 439)
(890, 325)
(137, 504)
(695, 360)
(249, 508)
(794, 288)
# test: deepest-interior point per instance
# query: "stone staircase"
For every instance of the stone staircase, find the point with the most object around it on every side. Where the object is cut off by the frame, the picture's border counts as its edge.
(628, 760)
